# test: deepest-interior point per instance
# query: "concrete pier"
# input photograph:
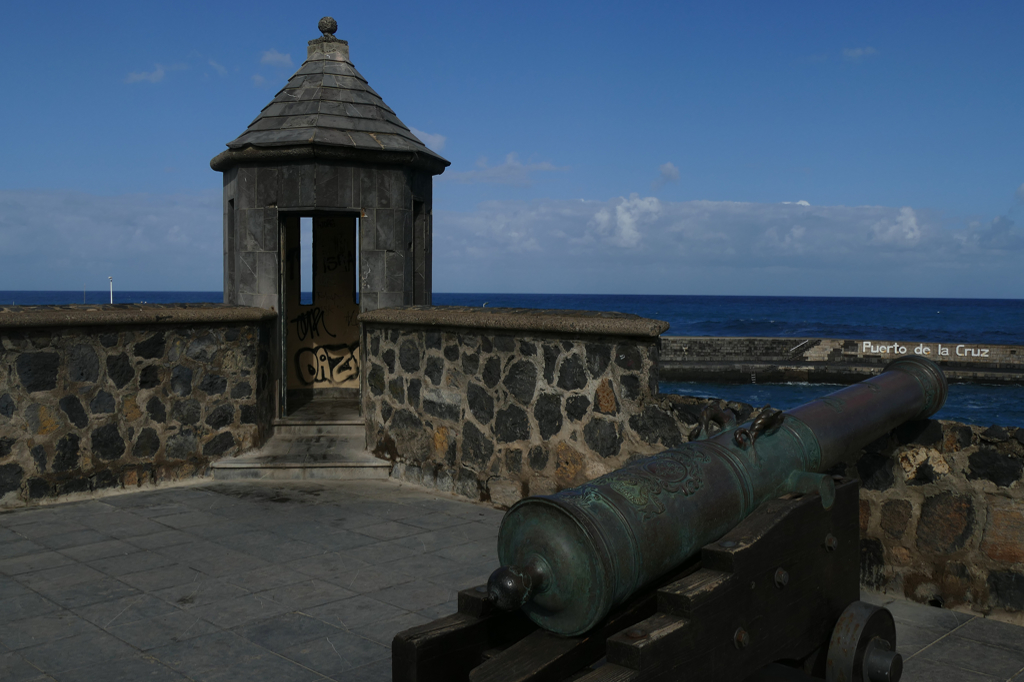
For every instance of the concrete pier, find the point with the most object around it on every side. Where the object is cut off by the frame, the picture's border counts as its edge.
(724, 359)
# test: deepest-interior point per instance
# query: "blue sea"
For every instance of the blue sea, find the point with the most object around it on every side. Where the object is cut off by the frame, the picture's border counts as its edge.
(995, 321)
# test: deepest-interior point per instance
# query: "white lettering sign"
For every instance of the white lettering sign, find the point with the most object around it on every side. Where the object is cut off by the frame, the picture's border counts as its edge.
(960, 350)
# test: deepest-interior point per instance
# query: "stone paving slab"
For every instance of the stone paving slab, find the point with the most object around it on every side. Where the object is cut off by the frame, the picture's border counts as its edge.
(298, 581)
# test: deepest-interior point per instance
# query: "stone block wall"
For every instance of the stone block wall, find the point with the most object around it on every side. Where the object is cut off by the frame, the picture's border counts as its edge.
(118, 396)
(497, 404)
(942, 516)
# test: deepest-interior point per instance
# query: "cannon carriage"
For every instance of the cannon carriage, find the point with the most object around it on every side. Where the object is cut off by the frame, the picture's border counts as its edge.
(732, 557)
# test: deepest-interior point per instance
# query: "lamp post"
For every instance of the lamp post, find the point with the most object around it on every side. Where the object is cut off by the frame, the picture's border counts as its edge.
(111, 289)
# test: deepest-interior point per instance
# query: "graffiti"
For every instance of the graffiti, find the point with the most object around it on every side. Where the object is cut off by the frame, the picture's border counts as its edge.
(335, 364)
(309, 323)
(345, 259)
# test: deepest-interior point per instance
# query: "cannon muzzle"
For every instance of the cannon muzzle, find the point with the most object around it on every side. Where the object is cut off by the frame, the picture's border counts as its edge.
(569, 558)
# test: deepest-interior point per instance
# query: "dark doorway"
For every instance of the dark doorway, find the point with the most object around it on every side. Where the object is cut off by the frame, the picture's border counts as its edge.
(321, 309)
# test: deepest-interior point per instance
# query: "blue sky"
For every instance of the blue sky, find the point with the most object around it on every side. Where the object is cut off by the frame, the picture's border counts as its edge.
(783, 148)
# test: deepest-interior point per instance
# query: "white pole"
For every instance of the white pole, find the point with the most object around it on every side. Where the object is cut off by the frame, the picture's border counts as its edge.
(111, 289)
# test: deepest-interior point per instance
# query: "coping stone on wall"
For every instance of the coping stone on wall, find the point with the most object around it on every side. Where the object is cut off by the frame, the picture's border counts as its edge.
(128, 314)
(519, 319)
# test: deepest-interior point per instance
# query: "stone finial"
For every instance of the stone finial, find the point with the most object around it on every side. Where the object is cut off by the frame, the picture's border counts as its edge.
(328, 26)
(327, 41)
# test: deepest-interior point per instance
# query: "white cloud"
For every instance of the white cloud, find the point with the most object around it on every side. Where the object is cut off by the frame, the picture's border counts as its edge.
(433, 141)
(622, 227)
(667, 172)
(67, 240)
(857, 53)
(258, 80)
(901, 231)
(154, 76)
(275, 58)
(512, 172)
(218, 68)
(798, 203)
(1020, 193)
(644, 245)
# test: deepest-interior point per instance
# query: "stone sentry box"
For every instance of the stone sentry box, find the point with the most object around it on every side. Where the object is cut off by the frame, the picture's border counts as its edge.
(327, 147)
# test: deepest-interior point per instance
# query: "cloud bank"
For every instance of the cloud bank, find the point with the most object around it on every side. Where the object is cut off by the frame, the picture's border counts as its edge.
(67, 240)
(643, 245)
(635, 244)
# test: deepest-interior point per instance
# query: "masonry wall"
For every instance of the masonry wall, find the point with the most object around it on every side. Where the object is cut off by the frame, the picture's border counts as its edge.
(498, 413)
(753, 359)
(119, 396)
(942, 515)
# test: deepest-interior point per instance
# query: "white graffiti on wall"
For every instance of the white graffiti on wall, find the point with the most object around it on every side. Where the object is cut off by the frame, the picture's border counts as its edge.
(334, 364)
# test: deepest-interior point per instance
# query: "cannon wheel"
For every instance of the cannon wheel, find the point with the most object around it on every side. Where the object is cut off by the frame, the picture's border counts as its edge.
(863, 646)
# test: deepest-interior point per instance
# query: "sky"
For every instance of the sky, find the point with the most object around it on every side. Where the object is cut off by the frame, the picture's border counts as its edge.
(742, 148)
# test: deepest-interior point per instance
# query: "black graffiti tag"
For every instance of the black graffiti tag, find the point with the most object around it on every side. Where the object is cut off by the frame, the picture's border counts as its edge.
(309, 324)
(345, 259)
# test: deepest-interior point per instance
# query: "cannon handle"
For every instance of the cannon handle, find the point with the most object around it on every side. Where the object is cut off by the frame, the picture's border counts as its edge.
(509, 587)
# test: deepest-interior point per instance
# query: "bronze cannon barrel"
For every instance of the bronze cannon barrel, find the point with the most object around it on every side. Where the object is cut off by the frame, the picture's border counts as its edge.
(567, 559)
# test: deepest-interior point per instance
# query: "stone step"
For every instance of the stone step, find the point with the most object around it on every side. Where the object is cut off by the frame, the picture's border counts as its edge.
(288, 428)
(339, 454)
(299, 421)
(323, 412)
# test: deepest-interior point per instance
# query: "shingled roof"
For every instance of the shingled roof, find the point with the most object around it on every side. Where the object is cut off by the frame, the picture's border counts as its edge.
(328, 109)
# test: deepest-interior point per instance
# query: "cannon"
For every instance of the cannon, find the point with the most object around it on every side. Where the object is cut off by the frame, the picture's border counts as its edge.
(717, 559)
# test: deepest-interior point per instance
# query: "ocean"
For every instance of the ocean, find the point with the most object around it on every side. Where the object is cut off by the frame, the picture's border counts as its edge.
(995, 321)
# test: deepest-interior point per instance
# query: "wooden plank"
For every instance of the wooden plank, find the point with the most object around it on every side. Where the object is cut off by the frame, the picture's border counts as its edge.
(445, 650)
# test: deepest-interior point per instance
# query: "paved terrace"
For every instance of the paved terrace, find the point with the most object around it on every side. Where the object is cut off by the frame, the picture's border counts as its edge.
(223, 581)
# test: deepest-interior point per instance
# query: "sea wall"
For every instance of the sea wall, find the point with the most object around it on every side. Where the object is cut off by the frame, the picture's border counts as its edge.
(116, 396)
(759, 359)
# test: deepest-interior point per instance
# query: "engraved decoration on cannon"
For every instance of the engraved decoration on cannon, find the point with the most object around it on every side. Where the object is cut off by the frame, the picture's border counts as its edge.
(732, 557)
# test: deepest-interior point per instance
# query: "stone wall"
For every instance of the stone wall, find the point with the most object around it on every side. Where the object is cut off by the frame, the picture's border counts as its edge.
(118, 396)
(496, 404)
(942, 516)
(758, 359)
